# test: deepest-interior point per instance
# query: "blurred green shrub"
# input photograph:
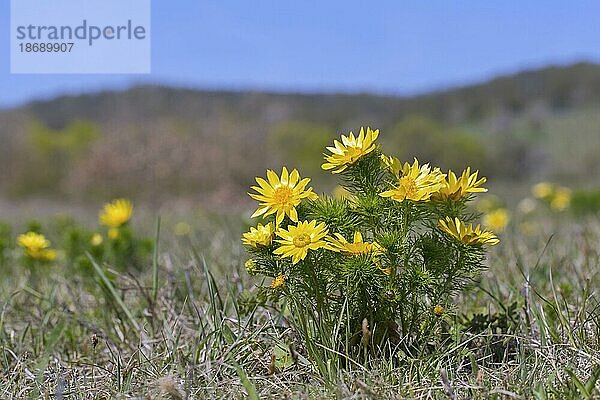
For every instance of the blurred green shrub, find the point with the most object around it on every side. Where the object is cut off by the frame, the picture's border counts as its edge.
(585, 202)
(5, 242)
(428, 140)
(300, 144)
(48, 155)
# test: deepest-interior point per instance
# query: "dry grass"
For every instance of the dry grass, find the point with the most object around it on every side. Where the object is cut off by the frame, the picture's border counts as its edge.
(68, 339)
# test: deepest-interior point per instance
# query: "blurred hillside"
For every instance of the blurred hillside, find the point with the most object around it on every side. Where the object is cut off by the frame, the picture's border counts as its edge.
(156, 143)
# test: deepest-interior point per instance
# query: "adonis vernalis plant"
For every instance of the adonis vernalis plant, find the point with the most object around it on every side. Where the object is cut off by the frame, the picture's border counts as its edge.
(380, 265)
(36, 247)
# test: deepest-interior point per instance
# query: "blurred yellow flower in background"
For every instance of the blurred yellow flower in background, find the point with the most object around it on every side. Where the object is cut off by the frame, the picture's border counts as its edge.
(466, 233)
(497, 219)
(36, 246)
(350, 150)
(542, 190)
(558, 197)
(527, 205)
(261, 235)
(416, 183)
(116, 213)
(297, 240)
(561, 199)
(281, 195)
(96, 240)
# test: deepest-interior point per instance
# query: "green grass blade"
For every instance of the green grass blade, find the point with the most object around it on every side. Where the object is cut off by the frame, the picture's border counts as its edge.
(248, 385)
(155, 263)
(591, 382)
(582, 389)
(113, 292)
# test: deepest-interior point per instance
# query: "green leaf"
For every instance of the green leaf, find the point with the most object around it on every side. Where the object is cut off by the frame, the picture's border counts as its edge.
(283, 357)
(248, 385)
(582, 389)
(590, 385)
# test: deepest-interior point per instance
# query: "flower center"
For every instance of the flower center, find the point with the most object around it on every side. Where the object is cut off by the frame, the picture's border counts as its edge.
(282, 195)
(409, 185)
(302, 240)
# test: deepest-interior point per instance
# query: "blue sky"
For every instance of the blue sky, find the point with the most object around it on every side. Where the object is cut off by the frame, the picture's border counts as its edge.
(394, 47)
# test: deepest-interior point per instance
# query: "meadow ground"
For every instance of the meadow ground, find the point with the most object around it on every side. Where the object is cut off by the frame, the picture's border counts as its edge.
(182, 327)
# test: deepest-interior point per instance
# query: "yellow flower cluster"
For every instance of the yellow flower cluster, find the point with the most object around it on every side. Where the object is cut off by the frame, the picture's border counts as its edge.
(559, 197)
(423, 183)
(36, 246)
(416, 183)
(297, 240)
(281, 194)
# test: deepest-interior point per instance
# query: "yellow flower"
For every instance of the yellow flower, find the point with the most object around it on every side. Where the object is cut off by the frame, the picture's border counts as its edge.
(281, 195)
(438, 309)
(350, 150)
(297, 240)
(542, 190)
(467, 234)
(33, 241)
(457, 188)
(278, 282)
(416, 183)
(497, 219)
(261, 235)
(36, 246)
(561, 199)
(116, 213)
(96, 240)
(358, 247)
